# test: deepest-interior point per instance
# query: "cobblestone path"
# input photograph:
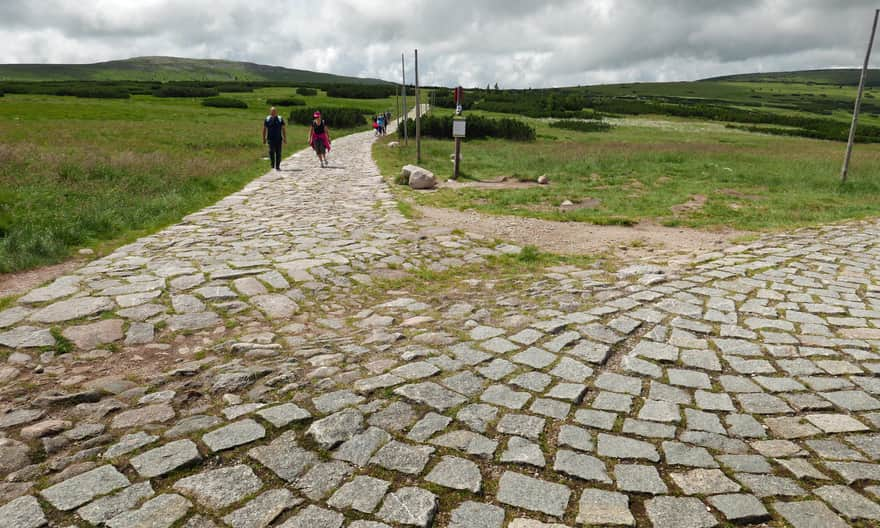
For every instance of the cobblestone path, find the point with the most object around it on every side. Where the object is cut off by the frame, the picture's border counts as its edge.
(248, 367)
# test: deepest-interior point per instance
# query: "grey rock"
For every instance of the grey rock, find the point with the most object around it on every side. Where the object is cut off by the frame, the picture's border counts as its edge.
(106, 508)
(129, 443)
(334, 401)
(76, 491)
(315, 517)
(219, 488)
(193, 321)
(14, 455)
(336, 428)
(429, 425)
(19, 417)
(581, 466)
(361, 447)
(770, 485)
(740, 508)
(597, 419)
(404, 458)
(471, 514)
(599, 508)
(409, 506)
(284, 457)
(848, 502)
(533, 494)
(72, 309)
(27, 337)
(192, 424)
(233, 435)
(676, 512)
(505, 396)
(575, 437)
(397, 416)
(477, 416)
(261, 511)
(679, 454)
(467, 441)
(808, 514)
(160, 512)
(521, 425)
(626, 448)
(456, 473)
(165, 459)
(639, 478)
(23, 512)
(363, 494)
(521, 451)
(704, 482)
(141, 416)
(431, 394)
(89, 336)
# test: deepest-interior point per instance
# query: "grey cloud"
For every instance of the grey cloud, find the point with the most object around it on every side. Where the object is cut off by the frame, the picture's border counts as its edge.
(517, 43)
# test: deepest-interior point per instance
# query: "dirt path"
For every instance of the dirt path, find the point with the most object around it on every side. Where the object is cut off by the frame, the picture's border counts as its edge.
(574, 238)
(24, 281)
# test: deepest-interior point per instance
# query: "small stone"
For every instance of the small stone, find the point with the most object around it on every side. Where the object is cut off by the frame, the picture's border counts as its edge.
(848, 502)
(428, 426)
(575, 437)
(740, 508)
(456, 473)
(44, 428)
(192, 424)
(336, 428)
(471, 514)
(599, 508)
(363, 494)
(106, 508)
(160, 512)
(505, 396)
(639, 478)
(219, 488)
(704, 482)
(89, 336)
(404, 458)
(142, 416)
(233, 435)
(521, 425)
(581, 466)
(431, 394)
(409, 506)
(315, 517)
(808, 514)
(23, 512)
(261, 511)
(82, 488)
(361, 447)
(626, 448)
(521, 451)
(521, 491)
(162, 460)
(284, 457)
(678, 512)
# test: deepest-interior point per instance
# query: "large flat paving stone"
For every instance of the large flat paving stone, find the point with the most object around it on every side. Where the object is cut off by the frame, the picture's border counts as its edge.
(161, 512)
(409, 506)
(219, 488)
(23, 512)
(533, 494)
(76, 491)
(162, 460)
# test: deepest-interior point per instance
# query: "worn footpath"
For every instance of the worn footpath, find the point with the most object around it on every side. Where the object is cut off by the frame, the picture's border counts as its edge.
(249, 367)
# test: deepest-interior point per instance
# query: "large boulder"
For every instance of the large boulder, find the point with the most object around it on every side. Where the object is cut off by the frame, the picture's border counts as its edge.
(418, 178)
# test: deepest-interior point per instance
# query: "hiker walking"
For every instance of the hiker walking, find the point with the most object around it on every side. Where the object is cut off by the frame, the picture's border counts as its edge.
(275, 133)
(381, 122)
(319, 138)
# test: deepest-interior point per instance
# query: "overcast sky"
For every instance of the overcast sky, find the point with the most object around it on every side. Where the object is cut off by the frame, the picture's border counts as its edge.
(517, 43)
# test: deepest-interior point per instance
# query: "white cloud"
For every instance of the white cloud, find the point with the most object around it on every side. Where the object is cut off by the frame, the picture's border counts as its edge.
(517, 43)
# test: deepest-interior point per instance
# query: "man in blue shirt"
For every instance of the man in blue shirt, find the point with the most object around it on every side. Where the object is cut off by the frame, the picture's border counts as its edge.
(275, 133)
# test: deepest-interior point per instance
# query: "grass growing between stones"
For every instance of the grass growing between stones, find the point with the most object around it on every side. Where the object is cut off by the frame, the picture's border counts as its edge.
(676, 172)
(100, 172)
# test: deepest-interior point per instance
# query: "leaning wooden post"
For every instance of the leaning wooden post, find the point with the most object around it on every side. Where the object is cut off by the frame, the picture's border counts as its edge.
(855, 119)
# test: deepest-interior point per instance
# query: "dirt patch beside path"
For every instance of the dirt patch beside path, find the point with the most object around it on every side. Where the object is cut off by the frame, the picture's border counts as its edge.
(24, 281)
(576, 238)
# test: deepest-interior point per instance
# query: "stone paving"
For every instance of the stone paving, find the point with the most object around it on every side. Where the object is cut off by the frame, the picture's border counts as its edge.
(248, 367)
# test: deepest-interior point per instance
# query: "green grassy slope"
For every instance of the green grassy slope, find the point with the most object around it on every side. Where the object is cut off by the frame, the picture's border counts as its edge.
(169, 69)
(839, 77)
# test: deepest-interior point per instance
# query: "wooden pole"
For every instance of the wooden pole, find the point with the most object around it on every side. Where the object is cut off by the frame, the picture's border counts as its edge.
(855, 120)
(418, 114)
(405, 110)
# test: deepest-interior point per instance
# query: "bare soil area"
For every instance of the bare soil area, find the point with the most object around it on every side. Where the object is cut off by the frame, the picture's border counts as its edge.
(575, 238)
(24, 281)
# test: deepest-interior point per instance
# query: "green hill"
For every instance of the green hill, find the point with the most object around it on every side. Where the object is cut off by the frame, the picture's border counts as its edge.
(171, 69)
(839, 77)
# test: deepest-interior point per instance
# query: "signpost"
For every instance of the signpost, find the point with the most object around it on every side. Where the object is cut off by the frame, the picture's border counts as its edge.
(459, 129)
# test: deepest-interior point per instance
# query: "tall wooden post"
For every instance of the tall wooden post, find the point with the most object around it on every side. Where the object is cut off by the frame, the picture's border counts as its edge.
(858, 106)
(405, 110)
(457, 158)
(418, 114)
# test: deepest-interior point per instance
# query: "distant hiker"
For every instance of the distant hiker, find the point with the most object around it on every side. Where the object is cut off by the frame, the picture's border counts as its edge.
(275, 132)
(319, 138)
(381, 122)
(376, 125)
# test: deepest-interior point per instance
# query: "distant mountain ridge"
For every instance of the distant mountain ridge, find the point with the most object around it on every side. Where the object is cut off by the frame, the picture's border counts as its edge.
(836, 76)
(171, 69)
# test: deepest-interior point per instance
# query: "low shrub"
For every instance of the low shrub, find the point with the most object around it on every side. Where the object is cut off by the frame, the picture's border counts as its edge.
(95, 92)
(478, 127)
(285, 101)
(338, 117)
(307, 91)
(581, 125)
(185, 91)
(361, 91)
(224, 102)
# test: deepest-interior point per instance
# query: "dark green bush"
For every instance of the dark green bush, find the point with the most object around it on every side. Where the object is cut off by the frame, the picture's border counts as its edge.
(478, 127)
(185, 91)
(95, 92)
(361, 91)
(224, 102)
(307, 91)
(285, 101)
(582, 125)
(339, 117)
